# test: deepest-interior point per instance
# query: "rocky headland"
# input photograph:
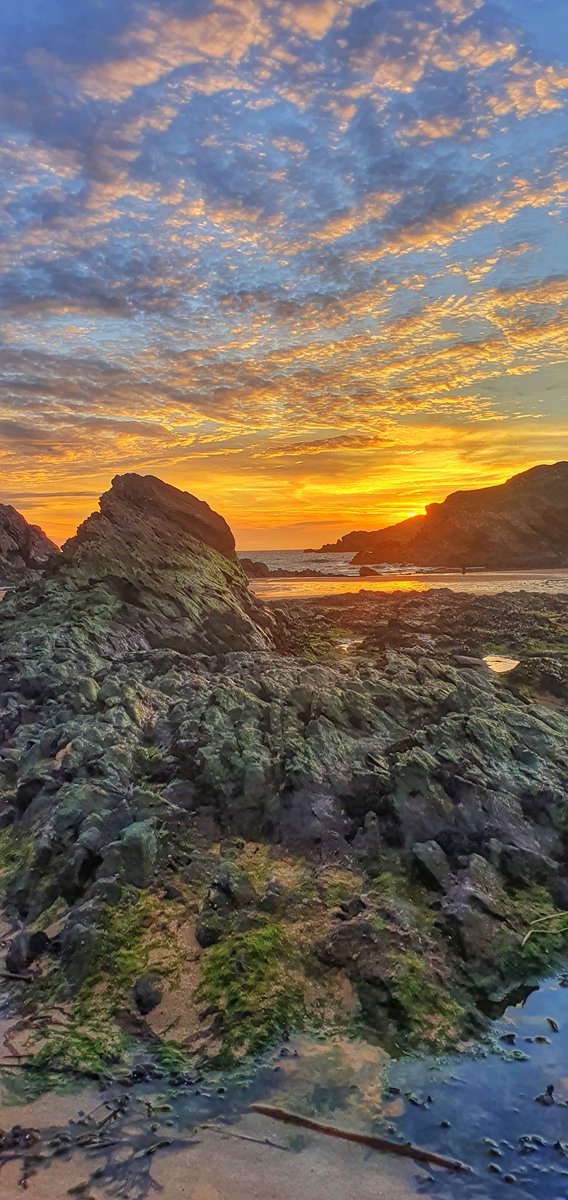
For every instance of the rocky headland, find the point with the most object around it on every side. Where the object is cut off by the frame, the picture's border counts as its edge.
(522, 523)
(218, 824)
(24, 548)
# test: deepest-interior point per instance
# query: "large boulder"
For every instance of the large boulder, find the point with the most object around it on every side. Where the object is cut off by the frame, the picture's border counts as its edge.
(165, 565)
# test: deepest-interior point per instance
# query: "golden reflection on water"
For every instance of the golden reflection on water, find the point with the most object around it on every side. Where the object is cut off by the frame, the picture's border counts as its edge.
(480, 582)
(296, 589)
(335, 1075)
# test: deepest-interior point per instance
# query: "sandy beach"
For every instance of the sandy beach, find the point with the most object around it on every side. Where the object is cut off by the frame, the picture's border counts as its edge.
(483, 582)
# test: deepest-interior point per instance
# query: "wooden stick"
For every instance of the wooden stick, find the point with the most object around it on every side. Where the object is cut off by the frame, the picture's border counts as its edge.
(243, 1137)
(404, 1149)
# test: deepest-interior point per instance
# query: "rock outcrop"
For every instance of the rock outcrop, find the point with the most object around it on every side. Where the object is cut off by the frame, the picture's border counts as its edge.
(23, 547)
(156, 568)
(522, 523)
(159, 738)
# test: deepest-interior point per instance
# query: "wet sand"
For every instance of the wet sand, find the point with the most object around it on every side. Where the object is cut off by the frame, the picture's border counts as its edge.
(215, 1164)
(222, 1167)
(482, 582)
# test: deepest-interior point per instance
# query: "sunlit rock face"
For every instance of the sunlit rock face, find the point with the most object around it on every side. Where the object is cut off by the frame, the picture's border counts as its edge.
(23, 547)
(521, 523)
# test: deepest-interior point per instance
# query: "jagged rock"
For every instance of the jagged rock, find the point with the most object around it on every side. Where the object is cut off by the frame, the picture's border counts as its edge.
(231, 889)
(474, 907)
(523, 865)
(235, 884)
(143, 690)
(433, 864)
(254, 569)
(360, 948)
(23, 548)
(164, 569)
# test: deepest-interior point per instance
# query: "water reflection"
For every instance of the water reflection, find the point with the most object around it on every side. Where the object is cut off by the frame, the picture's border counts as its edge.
(489, 1104)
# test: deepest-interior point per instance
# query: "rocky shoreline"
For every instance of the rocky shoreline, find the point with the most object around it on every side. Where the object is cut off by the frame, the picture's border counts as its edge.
(218, 826)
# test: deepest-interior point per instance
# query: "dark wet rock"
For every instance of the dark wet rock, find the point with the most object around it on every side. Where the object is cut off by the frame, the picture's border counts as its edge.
(433, 864)
(230, 890)
(351, 908)
(254, 569)
(24, 949)
(367, 573)
(147, 994)
(78, 948)
(359, 947)
(474, 906)
(235, 884)
(276, 898)
(524, 865)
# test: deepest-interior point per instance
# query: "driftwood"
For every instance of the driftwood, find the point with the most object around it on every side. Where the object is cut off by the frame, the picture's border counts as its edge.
(243, 1137)
(403, 1149)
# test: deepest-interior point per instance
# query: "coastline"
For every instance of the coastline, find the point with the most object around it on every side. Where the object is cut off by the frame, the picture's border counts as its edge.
(550, 581)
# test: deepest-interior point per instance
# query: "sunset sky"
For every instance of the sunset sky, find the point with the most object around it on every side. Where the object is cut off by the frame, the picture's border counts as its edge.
(306, 260)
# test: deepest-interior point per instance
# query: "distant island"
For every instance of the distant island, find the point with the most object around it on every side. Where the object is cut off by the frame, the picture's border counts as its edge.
(520, 523)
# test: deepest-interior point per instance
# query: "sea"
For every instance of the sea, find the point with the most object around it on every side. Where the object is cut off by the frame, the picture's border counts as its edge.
(324, 564)
(337, 574)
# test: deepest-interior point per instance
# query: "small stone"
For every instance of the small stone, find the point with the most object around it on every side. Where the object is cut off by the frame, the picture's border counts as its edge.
(147, 994)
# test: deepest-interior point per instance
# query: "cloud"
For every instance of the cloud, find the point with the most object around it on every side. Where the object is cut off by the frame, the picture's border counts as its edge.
(262, 245)
(163, 43)
(529, 91)
(459, 221)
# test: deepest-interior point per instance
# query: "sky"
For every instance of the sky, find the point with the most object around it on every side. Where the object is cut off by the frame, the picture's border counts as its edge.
(308, 261)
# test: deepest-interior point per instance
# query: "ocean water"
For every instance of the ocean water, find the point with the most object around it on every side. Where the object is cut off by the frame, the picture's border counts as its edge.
(339, 575)
(324, 564)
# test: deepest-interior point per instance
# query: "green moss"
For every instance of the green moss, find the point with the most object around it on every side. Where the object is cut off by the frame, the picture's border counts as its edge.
(548, 940)
(396, 884)
(16, 853)
(323, 645)
(131, 944)
(339, 886)
(173, 1056)
(87, 1043)
(257, 865)
(426, 1009)
(253, 982)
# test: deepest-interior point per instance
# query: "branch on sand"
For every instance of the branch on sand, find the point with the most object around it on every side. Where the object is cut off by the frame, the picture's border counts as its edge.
(403, 1149)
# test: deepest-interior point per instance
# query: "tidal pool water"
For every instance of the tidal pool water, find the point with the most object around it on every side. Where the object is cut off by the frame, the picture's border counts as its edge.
(199, 1138)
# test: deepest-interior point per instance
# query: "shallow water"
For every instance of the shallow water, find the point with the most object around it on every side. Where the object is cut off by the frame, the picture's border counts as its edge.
(478, 1105)
(481, 583)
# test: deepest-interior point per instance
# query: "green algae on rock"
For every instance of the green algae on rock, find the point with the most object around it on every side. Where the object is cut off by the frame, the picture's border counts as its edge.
(167, 737)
